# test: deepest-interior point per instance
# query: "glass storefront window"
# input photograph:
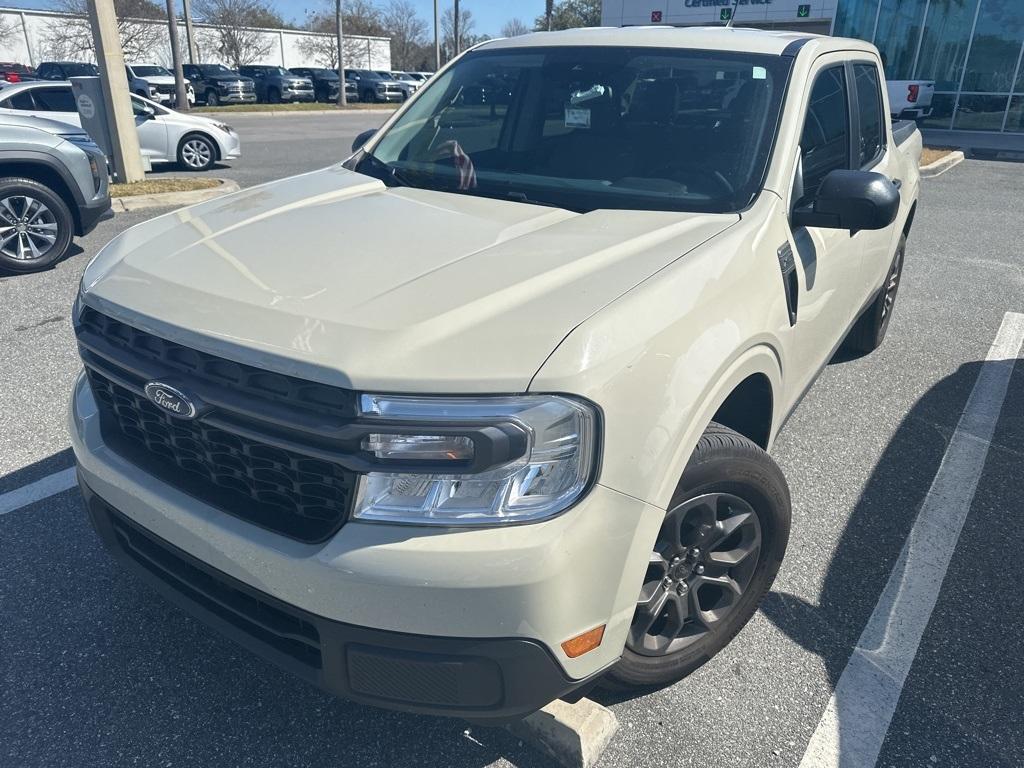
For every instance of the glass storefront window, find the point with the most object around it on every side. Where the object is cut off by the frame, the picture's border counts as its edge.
(856, 18)
(947, 31)
(899, 29)
(942, 112)
(1015, 118)
(980, 113)
(996, 46)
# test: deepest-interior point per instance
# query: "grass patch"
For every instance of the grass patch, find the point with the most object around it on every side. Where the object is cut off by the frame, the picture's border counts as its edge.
(299, 106)
(156, 186)
(930, 154)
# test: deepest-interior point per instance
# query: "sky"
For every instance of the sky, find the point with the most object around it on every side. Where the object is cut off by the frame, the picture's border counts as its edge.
(489, 15)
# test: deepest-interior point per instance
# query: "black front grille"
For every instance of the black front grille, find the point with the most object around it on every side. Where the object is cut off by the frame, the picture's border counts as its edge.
(266, 622)
(230, 460)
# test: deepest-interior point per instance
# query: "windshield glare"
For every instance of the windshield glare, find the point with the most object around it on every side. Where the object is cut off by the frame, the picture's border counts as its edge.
(592, 127)
(150, 71)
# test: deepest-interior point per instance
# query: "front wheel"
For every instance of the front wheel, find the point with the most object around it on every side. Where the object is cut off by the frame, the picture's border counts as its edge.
(715, 557)
(197, 153)
(35, 226)
(212, 99)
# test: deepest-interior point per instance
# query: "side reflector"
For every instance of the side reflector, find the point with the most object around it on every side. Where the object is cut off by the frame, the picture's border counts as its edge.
(588, 641)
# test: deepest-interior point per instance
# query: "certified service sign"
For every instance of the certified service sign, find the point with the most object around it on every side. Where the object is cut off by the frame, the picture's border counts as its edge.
(85, 106)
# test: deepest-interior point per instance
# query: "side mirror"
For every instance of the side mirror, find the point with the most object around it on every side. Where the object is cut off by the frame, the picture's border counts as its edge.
(852, 200)
(149, 114)
(362, 138)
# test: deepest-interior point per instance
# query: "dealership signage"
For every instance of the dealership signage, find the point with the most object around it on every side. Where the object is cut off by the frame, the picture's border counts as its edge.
(627, 12)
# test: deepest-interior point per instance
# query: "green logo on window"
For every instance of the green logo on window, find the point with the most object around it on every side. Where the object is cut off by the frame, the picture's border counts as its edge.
(725, 14)
(803, 11)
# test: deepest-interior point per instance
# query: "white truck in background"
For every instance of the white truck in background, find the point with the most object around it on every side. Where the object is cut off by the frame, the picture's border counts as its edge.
(910, 99)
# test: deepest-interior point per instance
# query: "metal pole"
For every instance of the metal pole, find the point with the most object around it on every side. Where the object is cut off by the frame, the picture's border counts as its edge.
(437, 38)
(190, 35)
(28, 40)
(339, 29)
(180, 95)
(455, 29)
(124, 139)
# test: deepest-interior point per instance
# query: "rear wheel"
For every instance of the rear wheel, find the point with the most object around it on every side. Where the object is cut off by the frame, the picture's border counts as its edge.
(36, 226)
(715, 557)
(869, 331)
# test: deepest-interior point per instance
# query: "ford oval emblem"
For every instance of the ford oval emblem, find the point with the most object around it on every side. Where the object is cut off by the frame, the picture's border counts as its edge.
(170, 399)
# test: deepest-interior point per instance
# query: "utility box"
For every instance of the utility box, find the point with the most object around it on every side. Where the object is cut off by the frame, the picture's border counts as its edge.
(92, 109)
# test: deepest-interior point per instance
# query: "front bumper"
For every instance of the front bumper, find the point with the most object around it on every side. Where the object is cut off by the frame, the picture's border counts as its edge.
(92, 214)
(234, 97)
(465, 622)
(298, 95)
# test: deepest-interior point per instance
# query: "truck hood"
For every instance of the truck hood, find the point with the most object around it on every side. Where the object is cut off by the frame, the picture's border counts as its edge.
(332, 276)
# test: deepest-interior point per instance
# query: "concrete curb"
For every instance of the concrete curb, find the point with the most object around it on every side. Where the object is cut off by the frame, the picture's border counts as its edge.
(296, 113)
(575, 735)
(177, 199)
(941, 165)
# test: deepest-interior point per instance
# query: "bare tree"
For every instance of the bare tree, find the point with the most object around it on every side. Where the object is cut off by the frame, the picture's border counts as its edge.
(238, 38)
(408, 34)
(359, 18)
(322, 50)
(514, 28)
(467, 37)
(7, 28)
(138, 24)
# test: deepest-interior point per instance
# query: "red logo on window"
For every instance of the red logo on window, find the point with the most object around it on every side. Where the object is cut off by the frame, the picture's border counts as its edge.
(656, 17)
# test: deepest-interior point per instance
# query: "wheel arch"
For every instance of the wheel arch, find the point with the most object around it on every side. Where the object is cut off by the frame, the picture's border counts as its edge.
(48, 176)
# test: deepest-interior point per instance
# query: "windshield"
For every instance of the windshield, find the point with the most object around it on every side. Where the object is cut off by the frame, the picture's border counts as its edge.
(325, 74)
(214, 69)
(150, 71)
(81, 70)
(592, 127)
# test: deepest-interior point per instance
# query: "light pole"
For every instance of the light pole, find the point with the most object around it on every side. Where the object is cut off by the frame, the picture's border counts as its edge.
(190, 35)
(338, 28)
(180, 96)
(437, 38)
(455, 29)
(124, 140)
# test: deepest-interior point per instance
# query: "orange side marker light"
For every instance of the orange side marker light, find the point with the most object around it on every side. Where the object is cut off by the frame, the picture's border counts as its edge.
(588, 641)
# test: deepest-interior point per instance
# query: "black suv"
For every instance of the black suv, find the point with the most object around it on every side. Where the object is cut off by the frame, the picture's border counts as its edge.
(373, 87)
(276, 84)
(62, 70)
(216, 84)
(325, 83)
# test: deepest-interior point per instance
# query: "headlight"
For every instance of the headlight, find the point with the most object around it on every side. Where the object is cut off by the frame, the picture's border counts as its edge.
(481, 461)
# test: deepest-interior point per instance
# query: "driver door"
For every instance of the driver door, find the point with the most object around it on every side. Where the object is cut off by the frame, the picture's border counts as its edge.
(152, 132)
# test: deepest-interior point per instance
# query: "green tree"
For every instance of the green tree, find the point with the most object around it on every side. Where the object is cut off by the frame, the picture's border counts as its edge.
(569, 14)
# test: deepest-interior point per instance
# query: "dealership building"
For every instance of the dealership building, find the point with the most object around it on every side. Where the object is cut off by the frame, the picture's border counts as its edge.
(972, 49)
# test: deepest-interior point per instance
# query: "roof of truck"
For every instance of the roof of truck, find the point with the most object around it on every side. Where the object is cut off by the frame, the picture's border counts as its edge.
(707, 38)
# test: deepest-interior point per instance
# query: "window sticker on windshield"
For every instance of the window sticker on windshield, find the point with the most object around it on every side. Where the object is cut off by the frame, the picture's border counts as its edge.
(577, 118)
(759, 73)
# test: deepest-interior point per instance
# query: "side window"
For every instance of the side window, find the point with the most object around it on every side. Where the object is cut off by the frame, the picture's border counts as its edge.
(869, 102)
(55, 99)
(22, 100)
(825, 143)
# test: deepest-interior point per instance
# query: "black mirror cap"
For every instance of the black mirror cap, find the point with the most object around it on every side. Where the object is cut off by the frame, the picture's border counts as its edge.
(362, 138)
(852, 200)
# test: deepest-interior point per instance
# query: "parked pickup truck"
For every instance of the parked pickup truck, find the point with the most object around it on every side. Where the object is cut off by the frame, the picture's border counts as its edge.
(520, 444)
(910, 99)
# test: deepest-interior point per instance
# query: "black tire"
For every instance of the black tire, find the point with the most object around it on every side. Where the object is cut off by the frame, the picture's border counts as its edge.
(18, 236)
(733, 473)
(369, 97)
(273, 96)
(212, 99)
(869, 331)
(197, 152)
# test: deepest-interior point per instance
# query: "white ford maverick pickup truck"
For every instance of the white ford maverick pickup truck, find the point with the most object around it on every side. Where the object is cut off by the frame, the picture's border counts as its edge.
(517, 445)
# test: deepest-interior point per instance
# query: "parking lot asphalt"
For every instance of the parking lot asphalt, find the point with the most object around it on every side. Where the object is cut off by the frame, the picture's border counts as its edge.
(98, 671)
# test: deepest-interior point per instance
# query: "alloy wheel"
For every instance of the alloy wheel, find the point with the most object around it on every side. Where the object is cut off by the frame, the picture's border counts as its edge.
(28, 228)
(703, 560)
(196, 153)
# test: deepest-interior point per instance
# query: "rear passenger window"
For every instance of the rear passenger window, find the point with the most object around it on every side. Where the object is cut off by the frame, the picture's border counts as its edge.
(21, 100)
(825, 143)
(55, 100)
(869, 102)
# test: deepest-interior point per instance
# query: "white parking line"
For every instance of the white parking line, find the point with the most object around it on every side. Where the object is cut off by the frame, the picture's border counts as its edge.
(40, 489)
(856, 720)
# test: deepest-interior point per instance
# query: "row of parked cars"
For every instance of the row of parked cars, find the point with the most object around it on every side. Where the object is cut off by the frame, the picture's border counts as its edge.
(215, 84)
